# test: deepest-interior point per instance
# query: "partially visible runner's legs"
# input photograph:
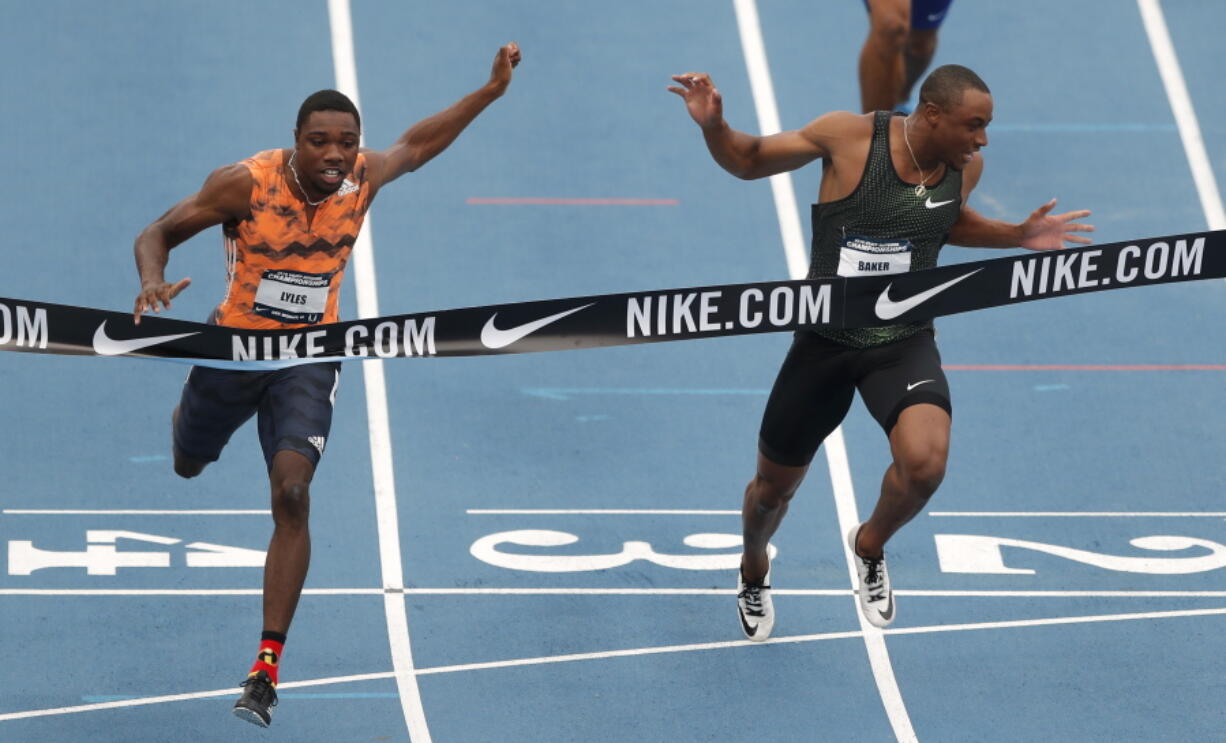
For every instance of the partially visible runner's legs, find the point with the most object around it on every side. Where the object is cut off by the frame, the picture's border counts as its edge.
(766, 502)
(919, 442)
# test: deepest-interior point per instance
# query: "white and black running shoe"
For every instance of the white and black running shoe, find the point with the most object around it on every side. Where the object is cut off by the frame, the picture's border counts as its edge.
(755, 608)
(258, 699)
(875, 597)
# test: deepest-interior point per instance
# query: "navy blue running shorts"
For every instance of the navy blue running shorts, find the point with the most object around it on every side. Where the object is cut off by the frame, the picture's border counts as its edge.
(294, 407)
(819, 377)
(927, 14)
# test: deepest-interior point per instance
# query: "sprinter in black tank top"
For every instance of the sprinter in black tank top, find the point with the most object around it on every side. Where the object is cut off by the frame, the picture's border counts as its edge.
(894, 189)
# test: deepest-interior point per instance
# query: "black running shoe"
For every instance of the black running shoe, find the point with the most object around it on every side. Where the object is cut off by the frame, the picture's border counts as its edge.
(258, 699)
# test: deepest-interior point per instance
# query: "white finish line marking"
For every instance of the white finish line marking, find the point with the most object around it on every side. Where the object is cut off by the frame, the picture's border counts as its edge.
(382, 471)
(133, 512)
(632, 652)
(597, 512)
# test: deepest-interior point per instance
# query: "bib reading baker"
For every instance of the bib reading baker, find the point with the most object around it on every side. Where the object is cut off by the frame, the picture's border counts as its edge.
(882, 227)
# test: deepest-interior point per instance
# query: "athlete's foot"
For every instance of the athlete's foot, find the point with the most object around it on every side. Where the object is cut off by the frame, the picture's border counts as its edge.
(258, 699)
(873, 593)
(754, 607)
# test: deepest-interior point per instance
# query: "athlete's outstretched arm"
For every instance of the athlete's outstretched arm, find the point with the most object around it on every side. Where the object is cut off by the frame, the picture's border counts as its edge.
(1042, 230)
(430, 136)
(225, 195)
(741, 154)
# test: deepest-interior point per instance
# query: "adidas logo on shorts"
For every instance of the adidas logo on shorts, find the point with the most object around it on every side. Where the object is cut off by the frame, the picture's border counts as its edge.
(317, 442)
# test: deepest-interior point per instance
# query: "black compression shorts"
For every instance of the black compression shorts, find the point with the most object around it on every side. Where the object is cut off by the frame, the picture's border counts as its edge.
(819, 377)
(294, 407)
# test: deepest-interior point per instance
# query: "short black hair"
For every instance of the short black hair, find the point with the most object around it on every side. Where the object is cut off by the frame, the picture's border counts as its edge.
(327, 100)
(944, 86)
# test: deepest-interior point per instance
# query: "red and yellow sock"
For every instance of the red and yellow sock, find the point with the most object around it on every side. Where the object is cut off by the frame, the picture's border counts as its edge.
(268, 659)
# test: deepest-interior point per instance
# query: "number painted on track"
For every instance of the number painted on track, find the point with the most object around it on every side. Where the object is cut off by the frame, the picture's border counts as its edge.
(486, 550)
(966, 553)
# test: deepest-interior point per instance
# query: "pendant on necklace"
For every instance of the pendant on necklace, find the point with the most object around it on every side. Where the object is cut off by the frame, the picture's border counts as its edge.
(920, 191)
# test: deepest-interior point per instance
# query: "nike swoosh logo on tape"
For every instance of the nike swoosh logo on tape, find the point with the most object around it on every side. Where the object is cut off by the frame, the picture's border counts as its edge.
(913, 385)
(493, 337)
(888, 309)
(934, 204)
(104, 345)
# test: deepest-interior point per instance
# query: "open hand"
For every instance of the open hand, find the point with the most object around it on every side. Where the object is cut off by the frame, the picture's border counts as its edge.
(702, 99)
(157, 296)
(1043, 230)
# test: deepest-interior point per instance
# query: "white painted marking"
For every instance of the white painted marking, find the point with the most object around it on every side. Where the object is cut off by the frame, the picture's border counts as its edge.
(376, 409)
(982, 555)
(798, 266)
(619, 654)
(768, 123)
(181, 592)
(1052, 621)
(132, 512)
(223, 556)
(805, 592)
(1094, 514)
(486, 549)
(597, 512)
(1185, 114)
(634, 652)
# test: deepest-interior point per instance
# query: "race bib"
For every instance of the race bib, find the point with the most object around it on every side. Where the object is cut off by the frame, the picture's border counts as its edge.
(863, 256)
(292, 296)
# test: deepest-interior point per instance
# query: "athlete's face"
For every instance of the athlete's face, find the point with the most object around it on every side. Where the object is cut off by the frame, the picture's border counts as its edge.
(327, 145)
(959, 132)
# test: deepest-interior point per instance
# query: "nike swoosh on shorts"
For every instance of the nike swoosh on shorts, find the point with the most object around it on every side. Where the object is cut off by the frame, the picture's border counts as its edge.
(104, 345)
(888, 309)
(493, 337)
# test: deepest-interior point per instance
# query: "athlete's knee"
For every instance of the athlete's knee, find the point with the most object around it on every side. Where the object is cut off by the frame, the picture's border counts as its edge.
(923, 470)
(291, 503)
(770, 492)
(922, 45)
(889, 28)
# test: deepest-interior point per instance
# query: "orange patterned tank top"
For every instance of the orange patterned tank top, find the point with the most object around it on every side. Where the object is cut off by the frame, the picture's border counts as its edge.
(280, 273)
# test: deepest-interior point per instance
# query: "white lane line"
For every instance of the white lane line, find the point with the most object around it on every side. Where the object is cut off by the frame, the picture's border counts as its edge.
(181, 592)
(798, 266)
(1052, 621)
(167, 698)
(803, 592)
(599, 512)
(376, 409)
(1095, 514)
(133, 512)
(768, 123)
(1185, 114)
(631, 652)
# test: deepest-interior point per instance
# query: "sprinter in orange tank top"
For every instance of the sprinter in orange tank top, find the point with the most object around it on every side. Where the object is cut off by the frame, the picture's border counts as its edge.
(290, 218)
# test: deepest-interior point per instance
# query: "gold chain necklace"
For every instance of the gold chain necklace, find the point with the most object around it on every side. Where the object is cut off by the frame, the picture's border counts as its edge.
(920, 190)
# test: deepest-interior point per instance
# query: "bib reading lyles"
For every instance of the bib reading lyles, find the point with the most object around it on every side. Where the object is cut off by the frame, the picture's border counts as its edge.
(862, 256)
(292, 296)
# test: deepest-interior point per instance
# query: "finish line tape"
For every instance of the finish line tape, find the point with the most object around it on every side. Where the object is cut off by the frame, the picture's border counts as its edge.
(623, 319)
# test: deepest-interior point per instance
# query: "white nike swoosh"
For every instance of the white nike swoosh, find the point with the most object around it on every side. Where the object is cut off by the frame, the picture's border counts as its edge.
(913, 385)
(492, 337)
(934, 204)
(888, 309)
(107, 346)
